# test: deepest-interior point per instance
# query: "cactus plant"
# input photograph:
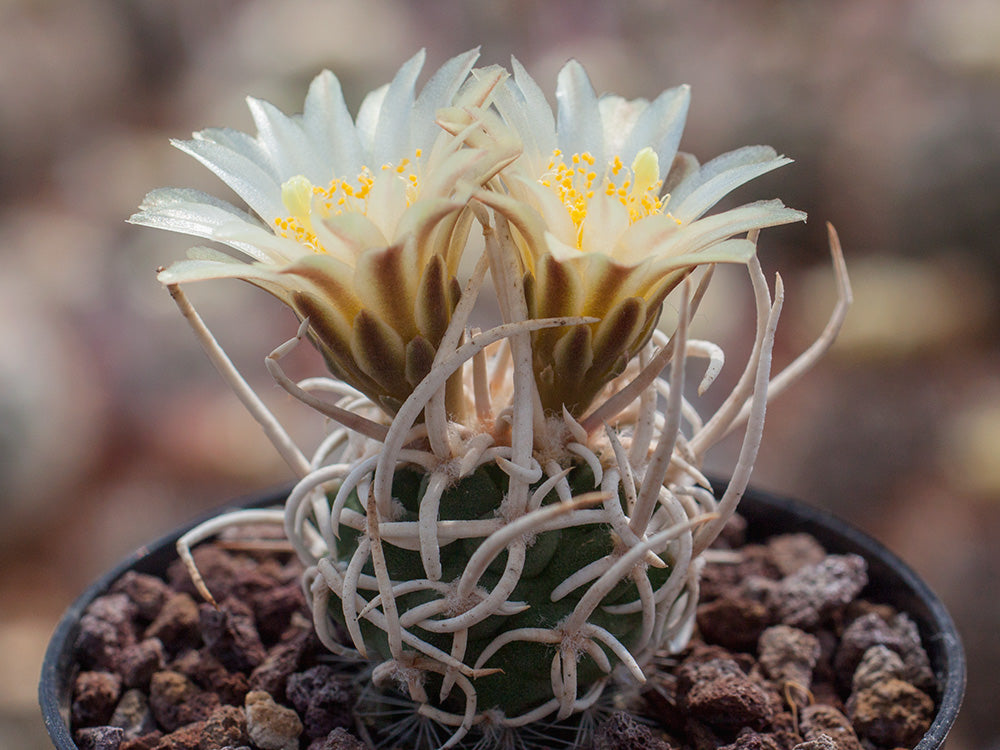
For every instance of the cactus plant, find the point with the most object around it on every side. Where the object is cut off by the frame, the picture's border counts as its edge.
(504, 521)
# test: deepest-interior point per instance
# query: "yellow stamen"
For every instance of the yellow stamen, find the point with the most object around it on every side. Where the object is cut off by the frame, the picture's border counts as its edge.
(574, 183)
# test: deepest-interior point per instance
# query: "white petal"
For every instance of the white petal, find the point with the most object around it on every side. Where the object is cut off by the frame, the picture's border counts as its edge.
(714, 189)
(720, 164)
(660, 127)
(618, 119)
(579, 118)
(330, 128)
(537, 111)
(548, 204)
(711, 229)
(559, 249)
(196, 269)
(392, 134)
(367, 122)
(606, 221)
(439, 92)
(283, 138)
(243, 144)
(251, 182)
(195, 213)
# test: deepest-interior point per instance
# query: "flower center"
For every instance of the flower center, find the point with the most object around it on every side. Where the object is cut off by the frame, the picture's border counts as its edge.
(637, 188)
(304, 201)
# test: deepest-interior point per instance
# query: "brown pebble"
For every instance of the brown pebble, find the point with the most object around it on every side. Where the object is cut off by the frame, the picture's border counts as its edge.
(338, 739)
(323, 698)
(187, 737)
(226, 727)
(145, 742)
(105, 629)
(718, 693)
(281, 661)
(140, 661)
(270, 726)
(176, 624)
(132, 714)
(231, 635)
(622, 732)
(892, 713)
(820, 719)
(733, 622)
(751, 740)
(175, 701)
(99, 738)
(792, 552)
(148, 593)
(95, 695)
(806, 598)
(788, 655)
(822, 742)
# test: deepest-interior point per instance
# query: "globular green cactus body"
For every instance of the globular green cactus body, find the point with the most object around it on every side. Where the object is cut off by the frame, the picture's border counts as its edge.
(552, 556)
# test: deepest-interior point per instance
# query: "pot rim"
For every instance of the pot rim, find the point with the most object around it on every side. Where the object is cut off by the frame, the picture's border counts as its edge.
(767, 514)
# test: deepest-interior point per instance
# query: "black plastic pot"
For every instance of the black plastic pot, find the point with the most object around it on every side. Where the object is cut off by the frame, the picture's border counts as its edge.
(891, 581)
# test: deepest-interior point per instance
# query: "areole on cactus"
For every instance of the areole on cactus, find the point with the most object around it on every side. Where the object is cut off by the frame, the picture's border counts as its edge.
(505, 521)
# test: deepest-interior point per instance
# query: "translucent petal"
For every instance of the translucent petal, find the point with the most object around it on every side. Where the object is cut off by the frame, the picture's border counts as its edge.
(283, 138)
(195, 213)
(579, 116)
(718, 165)
(330, 128)
(243, 144)
(254, 185)
(714, 189)
(607, 219)
(711, 229)
(392, 133)
(437, 93)
(618, 119)
(660, 126)
(536, 109)
(367, 122)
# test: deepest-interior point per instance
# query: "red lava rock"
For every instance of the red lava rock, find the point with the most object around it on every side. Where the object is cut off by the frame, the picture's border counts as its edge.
(338, 739)
(231, 636)
(753, 561)
(323, 698)
(95, 695)
(147, 593)
(175, 701)
(622, 732)
(99, 738)
(734, 622)
(226, 727)
(792, 552)
(718, 693)
(146, 742)
(892, 713)
(218, 569)
(788, 655)
(822, 742)
(879, 663)
(273, 609)
(132, 715)
(140, 661)
(270, 726)
(283, 659)
(822, 719)
(207, 671)
(187, 737)
(898, 634)
(105, 629)
(804, 599)
(751, 740)
(177, 622)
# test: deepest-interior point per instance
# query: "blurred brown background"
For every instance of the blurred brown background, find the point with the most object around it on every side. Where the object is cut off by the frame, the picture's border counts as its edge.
(113, 426)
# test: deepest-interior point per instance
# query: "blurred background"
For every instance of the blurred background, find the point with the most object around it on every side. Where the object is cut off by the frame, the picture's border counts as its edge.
(114, 427)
